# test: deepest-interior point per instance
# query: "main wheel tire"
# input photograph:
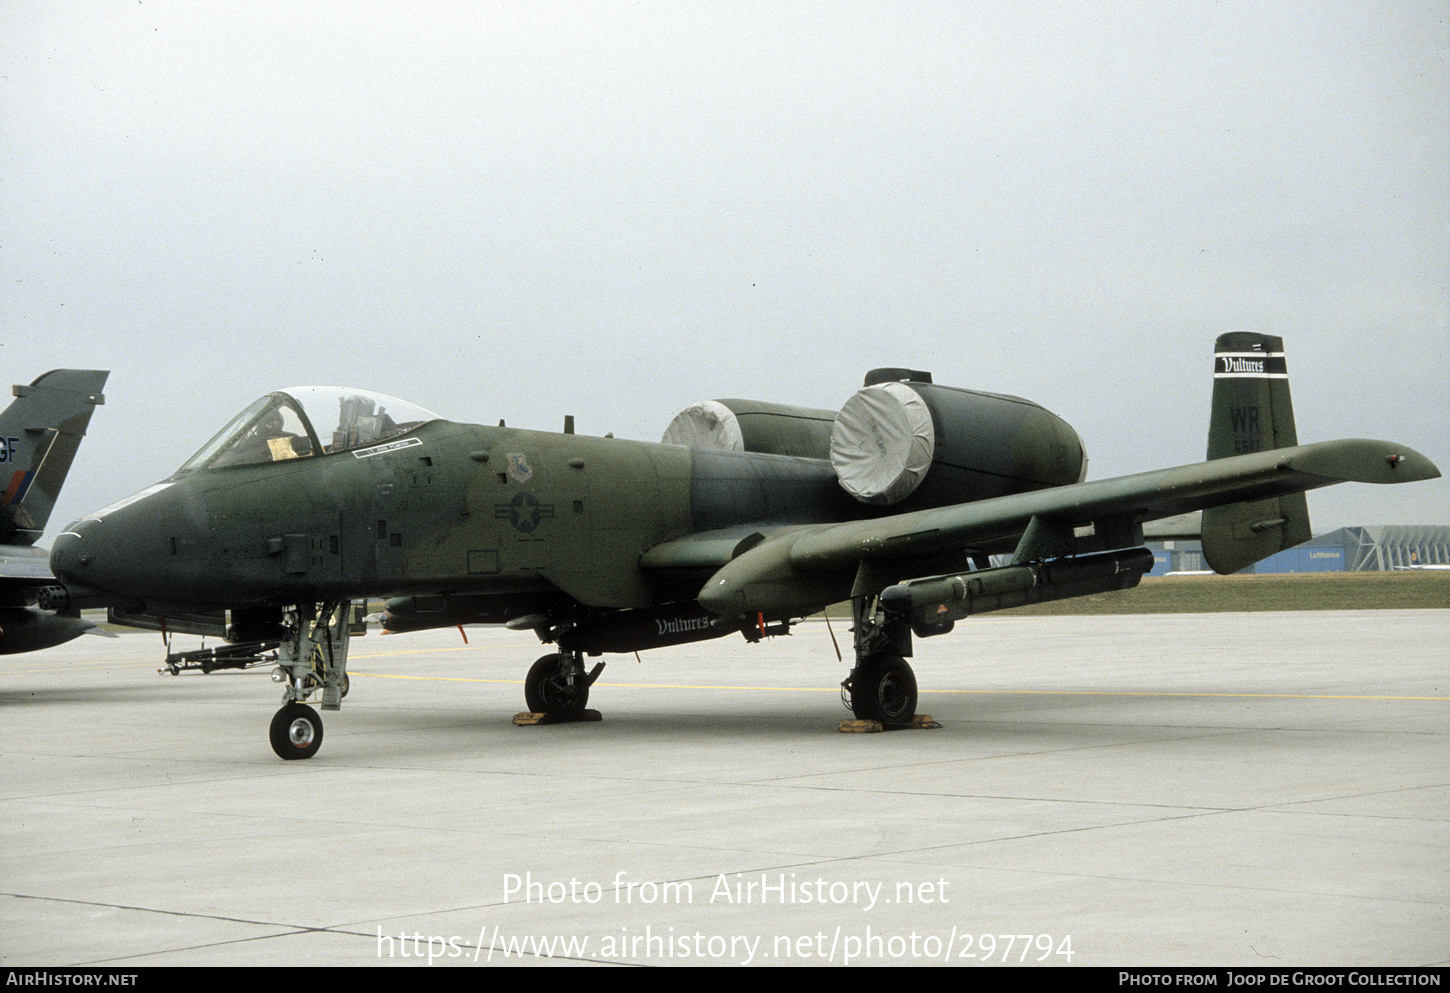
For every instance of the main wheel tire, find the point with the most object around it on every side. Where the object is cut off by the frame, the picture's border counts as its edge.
(883, 688)
(546, 693)
(296, 732)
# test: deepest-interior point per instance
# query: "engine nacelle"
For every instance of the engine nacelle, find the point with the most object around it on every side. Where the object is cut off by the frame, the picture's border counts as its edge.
(753, 426)
(942, 445)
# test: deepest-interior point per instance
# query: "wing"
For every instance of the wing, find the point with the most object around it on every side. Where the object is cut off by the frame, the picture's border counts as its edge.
(24, 574)
(794, 570)
(24, 568)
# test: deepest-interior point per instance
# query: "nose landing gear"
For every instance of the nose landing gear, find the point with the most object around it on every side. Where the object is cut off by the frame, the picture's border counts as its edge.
(312, 656)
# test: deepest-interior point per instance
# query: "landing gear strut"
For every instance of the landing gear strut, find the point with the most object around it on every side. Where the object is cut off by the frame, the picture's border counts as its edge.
(311, 657)
(882, 686)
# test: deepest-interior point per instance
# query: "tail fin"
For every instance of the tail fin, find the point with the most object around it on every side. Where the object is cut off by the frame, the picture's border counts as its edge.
(39, 434)
(1251, 412)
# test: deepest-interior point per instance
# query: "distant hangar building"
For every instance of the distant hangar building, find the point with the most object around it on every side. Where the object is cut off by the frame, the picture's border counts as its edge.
(1359, 549)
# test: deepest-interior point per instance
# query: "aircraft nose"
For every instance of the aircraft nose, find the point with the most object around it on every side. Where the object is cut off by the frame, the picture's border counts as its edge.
(70, 553)
(127, 553)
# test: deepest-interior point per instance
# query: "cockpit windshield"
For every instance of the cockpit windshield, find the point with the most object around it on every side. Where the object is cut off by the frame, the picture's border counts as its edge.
(277, 427)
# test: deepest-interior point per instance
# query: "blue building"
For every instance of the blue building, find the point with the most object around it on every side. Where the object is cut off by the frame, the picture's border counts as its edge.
(1358, 549)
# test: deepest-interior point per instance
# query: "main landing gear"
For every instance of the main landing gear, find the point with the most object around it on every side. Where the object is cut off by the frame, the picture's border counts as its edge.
(558, 686)
(312, 656)
(882, 686)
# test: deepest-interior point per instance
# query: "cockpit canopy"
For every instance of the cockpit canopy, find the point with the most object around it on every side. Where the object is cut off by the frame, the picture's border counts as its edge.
(277, 427)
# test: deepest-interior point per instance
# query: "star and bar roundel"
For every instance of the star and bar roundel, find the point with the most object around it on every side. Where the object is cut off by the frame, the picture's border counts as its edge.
(524, 512)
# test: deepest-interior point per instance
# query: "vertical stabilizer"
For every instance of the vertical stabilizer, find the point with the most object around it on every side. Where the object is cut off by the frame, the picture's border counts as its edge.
(1252, 412)
(39, 434)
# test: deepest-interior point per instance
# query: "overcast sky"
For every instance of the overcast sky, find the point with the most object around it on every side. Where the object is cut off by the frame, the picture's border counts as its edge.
(614, 209)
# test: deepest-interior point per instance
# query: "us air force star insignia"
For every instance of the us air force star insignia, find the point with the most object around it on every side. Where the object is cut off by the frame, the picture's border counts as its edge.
(524, 512)
(519, 469)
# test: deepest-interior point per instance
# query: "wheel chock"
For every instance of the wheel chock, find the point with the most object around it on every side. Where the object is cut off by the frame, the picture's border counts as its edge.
(921, 722)
(527, 719)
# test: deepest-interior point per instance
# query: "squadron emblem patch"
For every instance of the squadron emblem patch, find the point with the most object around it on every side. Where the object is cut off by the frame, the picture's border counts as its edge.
(519, 469)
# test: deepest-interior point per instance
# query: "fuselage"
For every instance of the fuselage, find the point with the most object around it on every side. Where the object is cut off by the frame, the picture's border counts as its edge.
(273, 512)
(445, 509)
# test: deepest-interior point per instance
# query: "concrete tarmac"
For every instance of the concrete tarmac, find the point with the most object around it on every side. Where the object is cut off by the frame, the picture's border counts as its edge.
(1223, 790)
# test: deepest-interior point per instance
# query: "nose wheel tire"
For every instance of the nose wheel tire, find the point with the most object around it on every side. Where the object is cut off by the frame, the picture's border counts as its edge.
(546, 692)
(883, 688)
(296, 732)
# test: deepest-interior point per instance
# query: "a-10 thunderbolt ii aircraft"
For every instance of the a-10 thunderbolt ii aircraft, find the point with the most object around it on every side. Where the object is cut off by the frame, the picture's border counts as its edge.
(39, 434)
(747, 517)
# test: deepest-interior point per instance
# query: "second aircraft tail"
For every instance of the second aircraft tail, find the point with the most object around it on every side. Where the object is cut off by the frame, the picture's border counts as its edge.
(39, 434)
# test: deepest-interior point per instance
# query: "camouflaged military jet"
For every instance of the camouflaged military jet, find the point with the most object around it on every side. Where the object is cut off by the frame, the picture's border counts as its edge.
(39, 434)
(747, 517)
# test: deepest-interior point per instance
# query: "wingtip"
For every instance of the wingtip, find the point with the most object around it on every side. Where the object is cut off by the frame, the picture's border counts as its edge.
(1363, 460)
